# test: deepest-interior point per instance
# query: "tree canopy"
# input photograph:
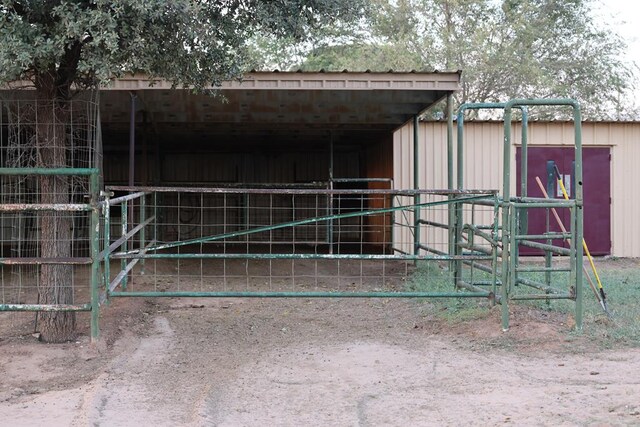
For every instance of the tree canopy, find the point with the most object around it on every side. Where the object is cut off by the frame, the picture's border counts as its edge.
(62, 45)
(193, 43)
(507, 49)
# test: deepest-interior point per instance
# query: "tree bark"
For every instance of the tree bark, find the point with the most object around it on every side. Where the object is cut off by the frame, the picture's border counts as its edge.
(56, 228)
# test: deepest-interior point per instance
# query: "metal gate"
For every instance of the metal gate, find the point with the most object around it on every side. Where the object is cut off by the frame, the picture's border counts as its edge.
(292, 242)
(289, 241)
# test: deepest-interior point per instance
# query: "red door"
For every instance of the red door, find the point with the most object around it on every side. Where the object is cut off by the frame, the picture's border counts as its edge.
(597, 196)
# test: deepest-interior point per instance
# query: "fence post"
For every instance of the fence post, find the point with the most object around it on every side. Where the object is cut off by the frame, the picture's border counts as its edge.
(95, 261)
(142, 230)
(125, 244)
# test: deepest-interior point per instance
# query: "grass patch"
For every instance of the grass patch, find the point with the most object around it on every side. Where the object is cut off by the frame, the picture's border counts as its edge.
(432, 276)
(622, 286)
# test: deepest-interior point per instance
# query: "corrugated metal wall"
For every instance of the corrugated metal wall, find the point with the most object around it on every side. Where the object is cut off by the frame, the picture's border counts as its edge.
(483, 163)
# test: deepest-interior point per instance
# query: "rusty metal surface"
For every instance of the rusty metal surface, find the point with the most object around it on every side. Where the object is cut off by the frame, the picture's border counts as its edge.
(58, 207)
(287, 190)
(43, 261)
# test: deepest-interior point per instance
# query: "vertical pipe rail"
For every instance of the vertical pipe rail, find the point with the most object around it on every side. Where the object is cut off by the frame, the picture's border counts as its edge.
(579, 214)
(95, 261)
(143, 206)
(106, 243)
(330, 196)
(416, 185)
(125, 244)
(451, 212)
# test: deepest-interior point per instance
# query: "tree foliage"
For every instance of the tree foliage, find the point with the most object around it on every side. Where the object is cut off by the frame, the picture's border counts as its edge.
(188, 42)
(62, 45)
(508, 49)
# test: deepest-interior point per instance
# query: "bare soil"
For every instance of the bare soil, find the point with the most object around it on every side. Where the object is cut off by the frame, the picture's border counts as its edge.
(229, 362)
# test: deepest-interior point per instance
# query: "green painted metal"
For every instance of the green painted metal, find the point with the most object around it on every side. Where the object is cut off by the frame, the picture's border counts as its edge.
(45, 307)
(450, 184)
(57, 207)
(125, 239)
(94, 234)
(551, 248)
(416, 185)
(577, 212)
(143, 221)
(306, 221)
(544, 269)
(125, 244)
(49, 171)
(44, 261)
(575, 252)
(387, 257)
(532, 297)
(509, 233)
(106, 211)
(338, 294)
(505, 276)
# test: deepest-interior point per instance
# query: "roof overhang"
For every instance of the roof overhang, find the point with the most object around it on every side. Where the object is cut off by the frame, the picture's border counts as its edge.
(283, 100)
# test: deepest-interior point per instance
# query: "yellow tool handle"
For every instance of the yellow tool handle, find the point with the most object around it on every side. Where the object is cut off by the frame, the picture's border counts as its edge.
(584, 243)
(564, 230)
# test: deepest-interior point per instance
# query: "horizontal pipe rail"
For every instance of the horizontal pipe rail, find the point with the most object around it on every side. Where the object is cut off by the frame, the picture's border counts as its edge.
(432, 250)
(258, 294)
(476, 248)
(544, 204)
(45, 261)
(551, 248)
(473, 288)
(526, 269)
(319, 191)
(410, 257)
(541, 297)
(433, 224)
(544, 236)
(49, 171)
(45, 307)
(117, 200)
(537, 285)
(477, 231)
(357, 214)
(57, 207)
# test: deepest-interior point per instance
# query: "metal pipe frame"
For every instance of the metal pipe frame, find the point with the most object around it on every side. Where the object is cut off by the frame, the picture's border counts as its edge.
(294, 223)
(510, 247)
(94, 207)
(483, 294)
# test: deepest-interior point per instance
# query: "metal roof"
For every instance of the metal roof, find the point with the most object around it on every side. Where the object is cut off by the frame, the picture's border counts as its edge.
(284, 100)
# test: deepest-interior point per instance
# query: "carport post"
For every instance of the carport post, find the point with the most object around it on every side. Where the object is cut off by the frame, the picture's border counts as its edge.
(450, 172)
(132, 141)
(416, 186)
(94, 234)
(132, 161)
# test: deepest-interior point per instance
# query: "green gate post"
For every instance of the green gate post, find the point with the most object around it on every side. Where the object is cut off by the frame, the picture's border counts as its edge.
(95, 261)
(142, 230)
(105, 244)
(416, 186)
(125, 244)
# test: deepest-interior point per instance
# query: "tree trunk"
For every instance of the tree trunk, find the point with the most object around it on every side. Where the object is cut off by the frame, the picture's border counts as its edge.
(56, 280)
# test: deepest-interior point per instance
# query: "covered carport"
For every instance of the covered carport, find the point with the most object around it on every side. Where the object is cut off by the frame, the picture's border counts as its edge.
(268, 128)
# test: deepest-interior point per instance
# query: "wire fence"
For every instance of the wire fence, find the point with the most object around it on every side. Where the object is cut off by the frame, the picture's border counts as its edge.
(48, 153)
(283, 241)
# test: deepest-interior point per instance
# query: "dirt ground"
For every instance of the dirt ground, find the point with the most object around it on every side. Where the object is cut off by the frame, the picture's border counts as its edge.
(178, 362)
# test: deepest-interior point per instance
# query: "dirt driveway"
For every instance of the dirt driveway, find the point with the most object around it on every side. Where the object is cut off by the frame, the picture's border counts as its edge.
(313, 362)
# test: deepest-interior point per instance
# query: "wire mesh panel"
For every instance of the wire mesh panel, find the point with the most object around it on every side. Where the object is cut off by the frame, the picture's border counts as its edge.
(49, 160)
(284, 241)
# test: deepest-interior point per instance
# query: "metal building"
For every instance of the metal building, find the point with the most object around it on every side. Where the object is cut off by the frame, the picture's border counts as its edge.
(611, 154)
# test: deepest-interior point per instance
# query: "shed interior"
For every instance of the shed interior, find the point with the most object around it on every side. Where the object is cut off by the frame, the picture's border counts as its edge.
(271, 128)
